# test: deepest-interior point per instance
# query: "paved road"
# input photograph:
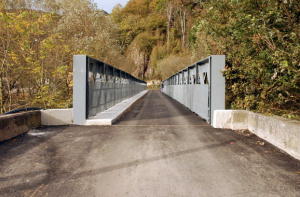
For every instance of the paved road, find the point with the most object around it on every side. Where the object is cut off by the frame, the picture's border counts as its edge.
(158, 149)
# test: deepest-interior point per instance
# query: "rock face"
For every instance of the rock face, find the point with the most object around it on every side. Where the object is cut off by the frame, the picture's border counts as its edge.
(140, 60)
(150, 72)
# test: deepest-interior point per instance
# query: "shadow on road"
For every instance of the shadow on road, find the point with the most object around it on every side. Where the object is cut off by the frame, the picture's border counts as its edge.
(68, 176)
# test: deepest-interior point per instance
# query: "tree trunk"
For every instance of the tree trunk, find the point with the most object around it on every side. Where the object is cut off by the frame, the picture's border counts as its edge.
(1, 95)
(2, 100)
(183, 25)
(8, 87)
(169, 15)
(145, 67)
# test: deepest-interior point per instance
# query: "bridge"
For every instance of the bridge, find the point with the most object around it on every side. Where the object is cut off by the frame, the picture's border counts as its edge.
(160, 145)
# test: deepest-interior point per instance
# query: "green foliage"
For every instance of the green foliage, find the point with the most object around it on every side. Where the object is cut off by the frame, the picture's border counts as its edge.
(146, 43)
(159, 5)
(259, 38)
(130, 28)
(155, 22)
(193, 33)
(138, 7)
(150, 26)
(158, 53)
(167, 65)
(117, 14)
(38, 47)
(261, 42)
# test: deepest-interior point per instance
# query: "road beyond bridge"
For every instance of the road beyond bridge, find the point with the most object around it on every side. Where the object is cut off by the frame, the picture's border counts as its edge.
(158, 149)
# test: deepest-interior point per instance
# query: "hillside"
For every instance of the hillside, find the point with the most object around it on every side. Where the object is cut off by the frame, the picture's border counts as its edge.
(155, 34)
(259, 38)
(152, 39)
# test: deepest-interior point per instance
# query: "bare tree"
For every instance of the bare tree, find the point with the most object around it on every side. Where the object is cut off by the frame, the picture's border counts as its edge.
(169, 9)
(182, 16)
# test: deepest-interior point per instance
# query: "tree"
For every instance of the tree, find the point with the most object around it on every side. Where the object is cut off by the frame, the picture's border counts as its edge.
(182, 15)
(169, 16)
(261, 42)
(21, 35)
(117, 14)
(37, 49)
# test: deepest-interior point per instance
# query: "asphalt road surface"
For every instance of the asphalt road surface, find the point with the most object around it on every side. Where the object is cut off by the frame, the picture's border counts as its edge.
(158, 149)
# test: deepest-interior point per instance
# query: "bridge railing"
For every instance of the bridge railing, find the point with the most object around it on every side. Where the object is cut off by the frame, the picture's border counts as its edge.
(98, 86)
(200, 86)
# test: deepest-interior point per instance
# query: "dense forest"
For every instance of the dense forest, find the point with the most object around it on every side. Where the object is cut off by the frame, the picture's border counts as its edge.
(152, 39)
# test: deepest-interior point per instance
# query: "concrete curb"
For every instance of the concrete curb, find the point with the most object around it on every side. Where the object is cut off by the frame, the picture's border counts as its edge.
(57, 117)
(281, 132)
(109, 116)
(13, 125)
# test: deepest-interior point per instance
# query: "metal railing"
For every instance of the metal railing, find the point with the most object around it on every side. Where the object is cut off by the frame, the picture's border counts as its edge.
(98, 86)
(200, 86)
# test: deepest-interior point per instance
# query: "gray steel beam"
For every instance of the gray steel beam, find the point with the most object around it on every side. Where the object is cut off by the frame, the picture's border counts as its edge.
(79, 89)
(217, 85)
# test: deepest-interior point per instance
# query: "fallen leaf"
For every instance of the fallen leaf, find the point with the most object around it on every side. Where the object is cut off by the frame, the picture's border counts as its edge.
(260, 143)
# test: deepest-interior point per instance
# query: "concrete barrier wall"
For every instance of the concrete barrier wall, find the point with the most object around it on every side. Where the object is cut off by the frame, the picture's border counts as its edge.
(13, 125)
(281, 132)
(56, 117)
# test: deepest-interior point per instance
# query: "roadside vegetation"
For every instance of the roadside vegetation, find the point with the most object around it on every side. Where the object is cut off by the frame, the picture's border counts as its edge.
(152, 39)
(38, 41)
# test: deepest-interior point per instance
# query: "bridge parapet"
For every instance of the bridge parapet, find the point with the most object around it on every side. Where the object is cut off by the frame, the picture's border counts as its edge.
(98, 86)
(200, 86)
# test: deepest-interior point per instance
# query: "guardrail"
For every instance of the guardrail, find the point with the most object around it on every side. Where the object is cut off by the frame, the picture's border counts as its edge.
(98, 86)
(200, 86)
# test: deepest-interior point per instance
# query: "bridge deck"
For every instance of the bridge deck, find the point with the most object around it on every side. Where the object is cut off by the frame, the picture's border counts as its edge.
(159, 148)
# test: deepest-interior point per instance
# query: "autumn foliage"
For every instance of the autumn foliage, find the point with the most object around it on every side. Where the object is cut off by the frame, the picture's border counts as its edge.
(261, 41)
(38, 41)
(152, 39)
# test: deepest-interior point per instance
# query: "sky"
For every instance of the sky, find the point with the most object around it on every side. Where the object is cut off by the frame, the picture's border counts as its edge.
(108, 5)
